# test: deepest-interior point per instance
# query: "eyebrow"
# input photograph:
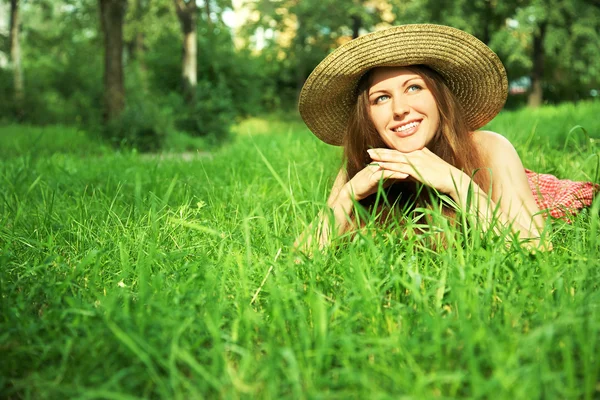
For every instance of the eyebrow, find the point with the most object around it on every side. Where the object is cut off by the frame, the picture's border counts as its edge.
(403, 84)
(412, 79)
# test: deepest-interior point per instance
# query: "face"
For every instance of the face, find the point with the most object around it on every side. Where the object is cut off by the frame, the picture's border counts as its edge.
(402, 109)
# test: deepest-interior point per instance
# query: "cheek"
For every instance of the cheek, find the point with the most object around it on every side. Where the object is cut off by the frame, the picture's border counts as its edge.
(425, 103)
(377, 117)
(429, 106)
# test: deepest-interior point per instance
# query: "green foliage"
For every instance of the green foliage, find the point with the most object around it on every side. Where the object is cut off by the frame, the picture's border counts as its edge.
(62, 64)
(7, 105)
(164, 64)
(220, 67)
(211, 114)
(64, 73)
(569, 45)
(142, 126)
(230, 83)
(135, 276)
(235, 71)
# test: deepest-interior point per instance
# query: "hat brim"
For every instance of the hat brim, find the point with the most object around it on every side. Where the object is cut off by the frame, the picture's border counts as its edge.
(472, 71)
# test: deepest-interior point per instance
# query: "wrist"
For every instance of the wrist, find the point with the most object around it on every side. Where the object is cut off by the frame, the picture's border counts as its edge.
(344, 197)
(341, 208)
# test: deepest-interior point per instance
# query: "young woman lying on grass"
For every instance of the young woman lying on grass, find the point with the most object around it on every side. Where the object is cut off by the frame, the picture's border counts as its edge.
(406, 104)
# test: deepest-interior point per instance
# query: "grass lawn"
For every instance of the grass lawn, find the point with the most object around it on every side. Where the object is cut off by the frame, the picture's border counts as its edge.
(132, 276)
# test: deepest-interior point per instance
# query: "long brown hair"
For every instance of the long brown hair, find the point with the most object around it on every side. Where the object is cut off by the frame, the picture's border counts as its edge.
(453, 142)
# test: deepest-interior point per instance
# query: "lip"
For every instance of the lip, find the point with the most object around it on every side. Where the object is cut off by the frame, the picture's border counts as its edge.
(408, 132)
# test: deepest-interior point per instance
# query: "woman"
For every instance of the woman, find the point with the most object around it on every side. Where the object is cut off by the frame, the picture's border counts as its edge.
(406, 103)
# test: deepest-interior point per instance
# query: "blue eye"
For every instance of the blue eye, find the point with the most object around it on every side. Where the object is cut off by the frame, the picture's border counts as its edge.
(381, 98)
(414, 88)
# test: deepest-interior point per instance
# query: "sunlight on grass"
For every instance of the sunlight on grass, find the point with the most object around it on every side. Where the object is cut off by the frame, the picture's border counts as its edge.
(269, 125)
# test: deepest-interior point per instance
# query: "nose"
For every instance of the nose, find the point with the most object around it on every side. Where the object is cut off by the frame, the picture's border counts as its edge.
(400, 106)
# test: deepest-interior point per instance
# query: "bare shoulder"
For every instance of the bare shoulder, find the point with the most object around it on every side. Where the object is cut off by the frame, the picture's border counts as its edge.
(488, 141)
(494, 148)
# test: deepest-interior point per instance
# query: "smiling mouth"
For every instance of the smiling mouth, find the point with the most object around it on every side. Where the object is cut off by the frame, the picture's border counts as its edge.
(407, 129)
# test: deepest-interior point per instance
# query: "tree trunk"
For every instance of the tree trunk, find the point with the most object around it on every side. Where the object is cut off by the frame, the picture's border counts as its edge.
(356, 25)
(536, 96)
(300, 56)
(15, 58)
(187, 14)
(112, 15)
(436, 12)
(488, 11)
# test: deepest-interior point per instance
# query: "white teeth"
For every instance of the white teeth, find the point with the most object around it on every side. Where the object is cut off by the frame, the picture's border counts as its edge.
(406, 127)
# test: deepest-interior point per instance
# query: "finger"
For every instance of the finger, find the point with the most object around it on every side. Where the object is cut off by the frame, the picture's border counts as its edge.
(373, 169)
(393, 175)
(397, 167)
(373, 172)
(382, 150)
(386, 155)
(383, 175)
(381, 154)
(374, 166)
(404, 170)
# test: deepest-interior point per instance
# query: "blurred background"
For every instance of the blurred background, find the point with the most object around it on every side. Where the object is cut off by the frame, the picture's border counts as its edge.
(134, 72)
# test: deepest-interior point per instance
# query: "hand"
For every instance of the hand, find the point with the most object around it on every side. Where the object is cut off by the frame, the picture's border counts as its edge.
(423, 166)
(366, 181)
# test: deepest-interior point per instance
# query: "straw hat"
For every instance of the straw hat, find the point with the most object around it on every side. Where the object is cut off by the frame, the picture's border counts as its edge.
(472, 71)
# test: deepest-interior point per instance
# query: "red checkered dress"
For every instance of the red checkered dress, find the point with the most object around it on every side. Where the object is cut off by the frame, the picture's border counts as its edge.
(560, 197)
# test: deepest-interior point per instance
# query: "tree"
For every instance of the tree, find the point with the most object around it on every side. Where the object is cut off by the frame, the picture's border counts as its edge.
(364, 14)
(562, 45)
(306, 30)
(15, 57)
(481, 18)
(536, 95)
(187, 12)
(112, 15)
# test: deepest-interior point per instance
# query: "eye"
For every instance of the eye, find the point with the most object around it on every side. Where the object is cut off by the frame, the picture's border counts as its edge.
(414, 88)
(381, 98)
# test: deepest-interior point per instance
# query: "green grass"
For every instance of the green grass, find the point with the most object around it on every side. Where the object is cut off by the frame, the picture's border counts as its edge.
(132, 276)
